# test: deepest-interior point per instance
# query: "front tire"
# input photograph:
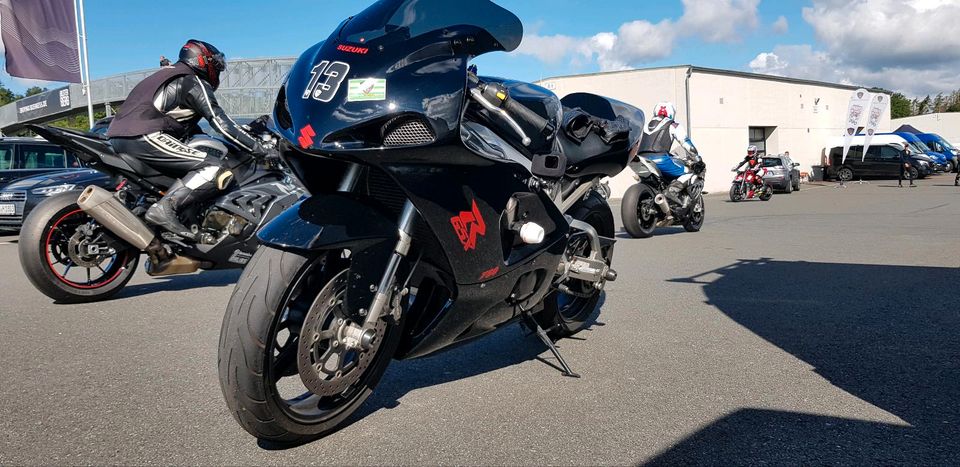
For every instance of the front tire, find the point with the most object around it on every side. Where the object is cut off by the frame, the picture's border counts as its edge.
(259, 340)
(564, 315)
(694, 221)
(845, 174)
(52, 257)
(638, 211)
(735, 194)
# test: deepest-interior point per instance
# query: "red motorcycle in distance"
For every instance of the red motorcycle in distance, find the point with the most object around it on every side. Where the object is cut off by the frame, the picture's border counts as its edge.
(749, 182)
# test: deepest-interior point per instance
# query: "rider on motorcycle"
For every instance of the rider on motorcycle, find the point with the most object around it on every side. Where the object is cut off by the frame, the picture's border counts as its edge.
(161, 113)
(751, 162)
(664, 136)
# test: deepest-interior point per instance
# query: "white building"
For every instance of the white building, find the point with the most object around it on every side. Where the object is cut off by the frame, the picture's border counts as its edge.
(726, 111)
(947, 125)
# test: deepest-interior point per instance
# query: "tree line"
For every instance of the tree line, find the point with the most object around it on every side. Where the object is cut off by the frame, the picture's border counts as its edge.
(901, 106)
(7, 96)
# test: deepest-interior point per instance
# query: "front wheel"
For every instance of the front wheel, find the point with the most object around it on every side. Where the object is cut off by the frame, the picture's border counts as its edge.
(694, 220)
(69, 257)
(736, 195)
(285, 372)
(639, 211)
(845, 174)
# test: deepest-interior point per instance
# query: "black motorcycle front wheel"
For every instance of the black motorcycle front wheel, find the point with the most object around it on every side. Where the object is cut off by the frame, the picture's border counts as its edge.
(639, 211)
(70, 257)
(281, 299)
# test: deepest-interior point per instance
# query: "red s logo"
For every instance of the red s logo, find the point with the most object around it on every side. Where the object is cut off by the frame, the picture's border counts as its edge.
(469, 225)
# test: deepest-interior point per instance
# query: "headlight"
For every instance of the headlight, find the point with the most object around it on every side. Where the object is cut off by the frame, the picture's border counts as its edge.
(924, 163)
(53, 190)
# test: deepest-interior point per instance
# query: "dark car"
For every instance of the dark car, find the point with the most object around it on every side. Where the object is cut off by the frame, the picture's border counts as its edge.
(782, 173)
(26, 157)
(20, 197)
(882, 161)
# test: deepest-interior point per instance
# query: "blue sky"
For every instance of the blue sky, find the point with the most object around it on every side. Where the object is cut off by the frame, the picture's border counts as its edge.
(815, 39)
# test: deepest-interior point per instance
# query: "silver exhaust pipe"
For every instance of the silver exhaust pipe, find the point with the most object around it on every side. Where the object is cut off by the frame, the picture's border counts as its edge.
(112, 214)
(662, 203)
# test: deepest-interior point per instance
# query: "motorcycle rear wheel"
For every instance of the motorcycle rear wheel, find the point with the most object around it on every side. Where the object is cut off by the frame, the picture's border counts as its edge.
(564, 315)
(767, 194)
(259, 342)
(50, 253)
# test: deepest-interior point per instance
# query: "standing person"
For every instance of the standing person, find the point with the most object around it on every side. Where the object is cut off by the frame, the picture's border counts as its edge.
(905, 167)
(164, 61)
(161, 113)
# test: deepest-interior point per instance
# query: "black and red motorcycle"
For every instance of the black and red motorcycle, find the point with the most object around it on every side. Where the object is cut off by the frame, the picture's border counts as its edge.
(749, 183)
(442, 206)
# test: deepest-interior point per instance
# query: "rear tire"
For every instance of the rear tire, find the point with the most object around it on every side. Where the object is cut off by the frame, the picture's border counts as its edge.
(845, 174)
(767, 194)
(43, 238)
(789, 188)
(635, 221)
(265, 304)
(564, 315)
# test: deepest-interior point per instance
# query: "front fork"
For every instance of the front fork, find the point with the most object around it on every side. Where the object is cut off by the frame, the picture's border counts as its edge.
(362, 337)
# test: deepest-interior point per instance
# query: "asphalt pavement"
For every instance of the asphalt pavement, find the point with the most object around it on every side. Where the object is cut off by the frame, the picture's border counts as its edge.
(821, 327)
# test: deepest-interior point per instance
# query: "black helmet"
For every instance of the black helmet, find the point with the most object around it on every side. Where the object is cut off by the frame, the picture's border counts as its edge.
(205, 59)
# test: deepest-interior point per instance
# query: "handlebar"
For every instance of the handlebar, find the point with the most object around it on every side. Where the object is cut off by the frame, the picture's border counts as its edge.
(496, 99)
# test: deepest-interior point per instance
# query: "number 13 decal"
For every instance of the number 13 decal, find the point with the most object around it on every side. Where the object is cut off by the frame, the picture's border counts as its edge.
(324, 90)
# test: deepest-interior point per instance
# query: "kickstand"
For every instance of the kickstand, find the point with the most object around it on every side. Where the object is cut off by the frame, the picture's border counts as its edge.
(531, 322)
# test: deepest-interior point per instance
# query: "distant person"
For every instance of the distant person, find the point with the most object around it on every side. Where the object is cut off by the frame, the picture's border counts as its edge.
(164, 61)
(162, 112)
(905, 167)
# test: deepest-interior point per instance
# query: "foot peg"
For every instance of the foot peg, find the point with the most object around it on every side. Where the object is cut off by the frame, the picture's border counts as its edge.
(549, 343)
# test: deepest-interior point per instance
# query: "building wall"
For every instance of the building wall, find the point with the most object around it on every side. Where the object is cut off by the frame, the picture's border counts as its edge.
(946, 125)
(802, 116)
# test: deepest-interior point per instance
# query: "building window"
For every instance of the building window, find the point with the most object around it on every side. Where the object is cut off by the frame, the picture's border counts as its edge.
(758, 138)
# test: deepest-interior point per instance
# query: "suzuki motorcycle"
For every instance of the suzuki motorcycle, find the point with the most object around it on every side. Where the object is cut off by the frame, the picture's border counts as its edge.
(749, 184)
(462, 204)
(645, 207)
(83, 248)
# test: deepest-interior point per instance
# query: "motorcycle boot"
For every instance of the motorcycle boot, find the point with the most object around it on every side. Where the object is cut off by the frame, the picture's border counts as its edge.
(195, 187)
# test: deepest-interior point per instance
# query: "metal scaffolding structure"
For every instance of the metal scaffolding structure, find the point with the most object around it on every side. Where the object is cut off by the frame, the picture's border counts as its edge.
(248, 88)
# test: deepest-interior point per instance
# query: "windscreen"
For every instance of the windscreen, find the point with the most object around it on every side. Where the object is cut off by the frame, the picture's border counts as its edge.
(393, 20)
(397, 63)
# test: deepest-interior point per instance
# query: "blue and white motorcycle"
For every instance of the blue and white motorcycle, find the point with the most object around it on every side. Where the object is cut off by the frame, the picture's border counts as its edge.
(667, 193)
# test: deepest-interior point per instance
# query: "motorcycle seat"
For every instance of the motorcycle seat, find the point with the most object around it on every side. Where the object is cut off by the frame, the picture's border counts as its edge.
(597, 134)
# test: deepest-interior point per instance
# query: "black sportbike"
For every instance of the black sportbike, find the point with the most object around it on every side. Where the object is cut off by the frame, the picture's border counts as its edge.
(461, 204)
(85, 247)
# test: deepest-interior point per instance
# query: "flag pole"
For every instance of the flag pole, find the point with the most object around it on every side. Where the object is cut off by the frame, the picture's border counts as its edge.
(84, 57)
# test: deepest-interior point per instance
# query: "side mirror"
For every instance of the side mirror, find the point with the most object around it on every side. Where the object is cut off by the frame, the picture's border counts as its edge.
(795, 165)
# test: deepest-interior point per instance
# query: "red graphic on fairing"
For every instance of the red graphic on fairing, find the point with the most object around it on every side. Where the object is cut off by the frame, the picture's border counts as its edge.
(306, 137)
(489, 273)
(469, 225)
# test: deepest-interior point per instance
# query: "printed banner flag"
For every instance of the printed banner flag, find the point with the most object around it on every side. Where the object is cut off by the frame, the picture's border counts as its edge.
(40, 37)
(855, 113)
(878, 106)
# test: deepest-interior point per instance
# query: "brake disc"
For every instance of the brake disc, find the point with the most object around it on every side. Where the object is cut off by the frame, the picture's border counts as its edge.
(327, 366)
(78, 250)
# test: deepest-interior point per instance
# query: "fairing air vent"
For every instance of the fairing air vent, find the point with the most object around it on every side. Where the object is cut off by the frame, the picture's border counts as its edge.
(407, 131)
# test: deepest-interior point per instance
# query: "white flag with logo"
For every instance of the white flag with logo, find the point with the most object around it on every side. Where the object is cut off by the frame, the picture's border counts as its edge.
(859, 102)
(878, 107)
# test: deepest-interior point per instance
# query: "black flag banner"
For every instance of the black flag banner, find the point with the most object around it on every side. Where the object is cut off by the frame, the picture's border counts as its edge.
(40, 38)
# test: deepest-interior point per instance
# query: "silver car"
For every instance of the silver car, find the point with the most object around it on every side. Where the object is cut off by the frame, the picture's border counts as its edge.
(782, 173)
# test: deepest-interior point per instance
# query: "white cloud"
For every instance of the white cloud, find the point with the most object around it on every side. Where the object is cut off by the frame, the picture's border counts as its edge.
(901, 45)
(781, 25)
(877, 34)
(718, 20)
(641, 41)
(802, 61)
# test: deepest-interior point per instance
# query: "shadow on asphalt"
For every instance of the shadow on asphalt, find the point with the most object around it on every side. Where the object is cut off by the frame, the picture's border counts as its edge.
(220, 278)
(889, 335)
(508, 346)
(658, 232)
